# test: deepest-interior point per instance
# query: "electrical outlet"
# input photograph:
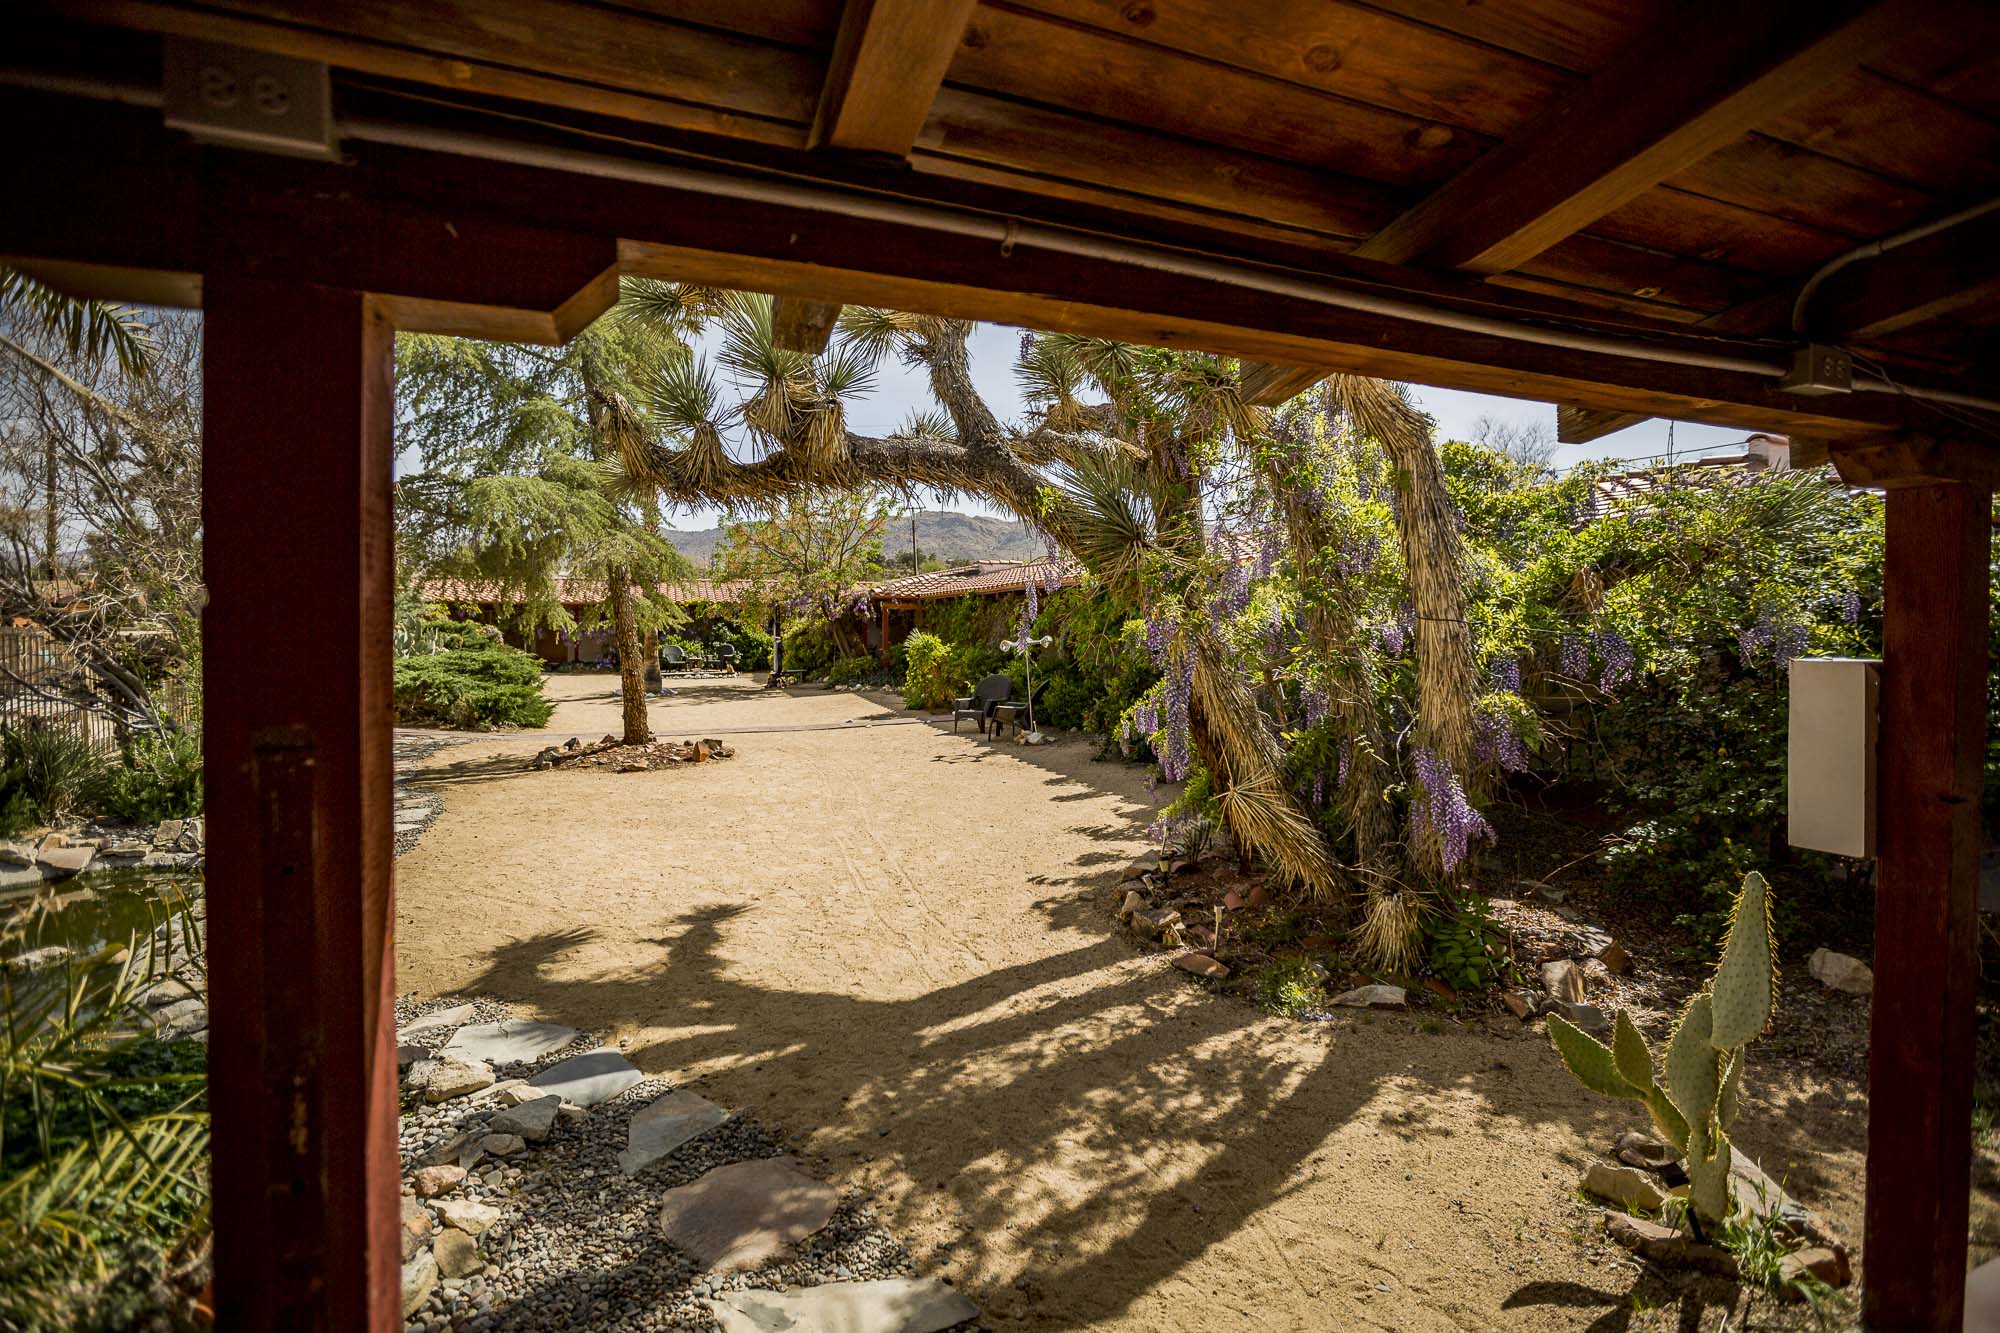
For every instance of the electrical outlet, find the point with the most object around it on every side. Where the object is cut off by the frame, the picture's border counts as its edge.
(1819, 368)
(249, 99)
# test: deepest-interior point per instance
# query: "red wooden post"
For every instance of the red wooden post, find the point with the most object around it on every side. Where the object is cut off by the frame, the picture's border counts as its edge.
(296, 452)
(885, 634)
(1932, 747)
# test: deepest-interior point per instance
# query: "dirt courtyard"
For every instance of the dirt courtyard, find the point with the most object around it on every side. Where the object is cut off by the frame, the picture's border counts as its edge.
(896, 946)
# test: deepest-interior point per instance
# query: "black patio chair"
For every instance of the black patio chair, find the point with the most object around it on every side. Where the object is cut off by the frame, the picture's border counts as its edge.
(673, 657)
(980, 703)
(1016, 713)
(724, 655)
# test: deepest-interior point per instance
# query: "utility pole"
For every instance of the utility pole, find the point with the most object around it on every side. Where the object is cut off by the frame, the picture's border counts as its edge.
(916, 567)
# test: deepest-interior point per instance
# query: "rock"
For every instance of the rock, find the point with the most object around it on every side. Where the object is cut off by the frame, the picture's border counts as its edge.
(470, 1217)
(443, 1018)
(1202, 966)
(516, 1092)
(1841, 972)
(452, 1149)
(16, 854)
(457, 1253)
(440, 1080)
(1564, 980)
(431, 1181)
(409, 1055)
(588, 1079)
(744, 1215)
(1134, 902)
(893, 1305)
(1664, 1245)
(512, 1042)
(1643, 1150)
(1592, 942)
(35, 960)
(20, 877)
(1982, 1296)
(62, 862)
(420, 1278)
(530, 1120)
(1140, 868)
(1624, 1186)
(1762, 1197)
(1586, 1016)
(1259, 896)
(416, 1226)
(503, 1145)
(1519, 1003)
(664, 1125)
(1155, 921)
(1829, 1266)
(1615, 959)
(1234, 901)
(1375, 997)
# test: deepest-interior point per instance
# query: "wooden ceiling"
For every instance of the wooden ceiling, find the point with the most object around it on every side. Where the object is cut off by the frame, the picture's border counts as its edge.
(1689, 164)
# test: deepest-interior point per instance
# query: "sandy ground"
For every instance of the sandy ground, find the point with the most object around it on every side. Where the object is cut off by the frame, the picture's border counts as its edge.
(896, 945)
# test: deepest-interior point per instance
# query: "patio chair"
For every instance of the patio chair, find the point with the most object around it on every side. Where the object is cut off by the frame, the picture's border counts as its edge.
(673, 657)
(724, 655)
(1016, 713)
(980, 703)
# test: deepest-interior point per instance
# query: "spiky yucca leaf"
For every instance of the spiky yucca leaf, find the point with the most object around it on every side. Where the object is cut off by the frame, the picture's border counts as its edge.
(1589, 1059)
(1267, 822)
(1746, 978)
(929, 425)
(1388, 934)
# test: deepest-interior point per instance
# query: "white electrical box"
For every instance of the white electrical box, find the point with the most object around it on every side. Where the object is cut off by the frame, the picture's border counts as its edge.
(1830, 786)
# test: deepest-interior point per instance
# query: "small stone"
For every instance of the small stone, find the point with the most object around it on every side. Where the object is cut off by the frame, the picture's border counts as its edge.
(1155, 921)
(457, 1253)
(1139, 869)
(440, 1080)
(1134, 902)
(1233, 900)
(530, 1121)
(1615, 959)
(416, 1226)
(1622, 1185)
(1519, 1003)
(409, 1055)
(1585, 1016)
(503, 1145)
(468, 1216)
(1841, 972)
(1643, 1150)
(420, 1277)
(1564, 980)
(1202, 966)
(1829, 1266)
(431, 1181)
(1375, 997)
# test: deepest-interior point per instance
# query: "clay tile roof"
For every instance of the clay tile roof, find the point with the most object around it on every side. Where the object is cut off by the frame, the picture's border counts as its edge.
(987, 578)
(582, 592)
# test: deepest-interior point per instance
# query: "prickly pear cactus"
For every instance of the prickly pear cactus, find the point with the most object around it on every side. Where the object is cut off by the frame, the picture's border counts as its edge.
(1695, 1101)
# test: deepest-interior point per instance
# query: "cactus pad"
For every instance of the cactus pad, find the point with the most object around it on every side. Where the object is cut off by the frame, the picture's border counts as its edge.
(1628, 1048)
(1589, 1059)
(1745, 979)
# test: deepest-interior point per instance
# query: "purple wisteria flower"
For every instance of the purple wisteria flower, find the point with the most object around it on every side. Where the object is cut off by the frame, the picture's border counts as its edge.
(1174, 764)
(1505, 674)
(1053, 570)
(1031, 608)
(1443, 807)
(1850, 607)
(1575, 661)
(1318, 702)
(1617, 656)
(1498, 741)
(1340, 776)
(1785, 638)
(1319, 789)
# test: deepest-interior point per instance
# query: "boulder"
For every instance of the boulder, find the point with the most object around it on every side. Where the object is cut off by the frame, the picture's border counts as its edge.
(511, 1042)
(416, 1227)
(457, 1253)
(503, 1145)
(1841, 972)
(891, 1305)
(35, 960)
(16, 854)
(442, 1018)
(431, 1181)
(1623, 1186)
(62, 862)
(420, 1279)
(530, 1120)
(1375, 997)
(1564, 980)
(1202, 966)
(468, 1216)
(440, 1080)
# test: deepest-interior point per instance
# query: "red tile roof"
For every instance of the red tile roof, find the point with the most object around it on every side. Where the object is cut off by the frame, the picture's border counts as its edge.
(986, 579)
(582, 592)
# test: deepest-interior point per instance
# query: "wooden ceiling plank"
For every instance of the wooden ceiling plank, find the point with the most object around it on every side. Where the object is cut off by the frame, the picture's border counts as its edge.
(1266, 385)
(1918, 283)
(1660, 105)
(1581, 425)
(889, 57)
(799, 325)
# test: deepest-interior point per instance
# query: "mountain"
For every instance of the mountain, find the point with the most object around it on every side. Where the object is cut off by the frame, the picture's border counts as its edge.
(957, 539)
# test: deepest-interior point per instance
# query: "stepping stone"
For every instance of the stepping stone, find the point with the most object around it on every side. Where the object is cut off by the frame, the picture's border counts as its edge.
(530, 1120)
(664, 1126)
(514, 1042)
(62, 862)
(587, 1079)
(443, 1018)
(744, 1215)
(897, 1305)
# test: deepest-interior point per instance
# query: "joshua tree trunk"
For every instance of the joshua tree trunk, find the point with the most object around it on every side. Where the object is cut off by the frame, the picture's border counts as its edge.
(631, 658)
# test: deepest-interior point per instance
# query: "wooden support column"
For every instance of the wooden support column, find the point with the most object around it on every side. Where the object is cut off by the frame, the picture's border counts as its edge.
(885, 634)
(1933, 730)
(298, 385)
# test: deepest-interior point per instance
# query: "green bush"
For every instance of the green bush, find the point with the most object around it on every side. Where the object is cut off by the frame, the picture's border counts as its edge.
(478, 685)
(160, 779)
(927, 676)
(1465, 949)
(854, 670)
(47, 774)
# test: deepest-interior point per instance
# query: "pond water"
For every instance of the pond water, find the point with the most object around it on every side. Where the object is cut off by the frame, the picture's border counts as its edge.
(106, 910)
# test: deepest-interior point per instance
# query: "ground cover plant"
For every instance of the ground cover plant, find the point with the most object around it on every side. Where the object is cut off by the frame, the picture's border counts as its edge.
(469, 678)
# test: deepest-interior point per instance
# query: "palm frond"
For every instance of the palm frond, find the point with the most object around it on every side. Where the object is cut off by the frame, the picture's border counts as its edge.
(873, 330)
(87, 328)
(928, 424)
(1107, 518)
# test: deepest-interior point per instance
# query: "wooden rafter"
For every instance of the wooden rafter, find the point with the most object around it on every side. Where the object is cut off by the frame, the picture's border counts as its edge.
(1266, 385)
(1581, 425)
(799, 325)
(1708, 74)
(889, 59)
(1915, 284)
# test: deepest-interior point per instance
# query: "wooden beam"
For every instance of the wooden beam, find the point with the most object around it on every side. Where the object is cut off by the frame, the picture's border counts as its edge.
(1581, 425)
(1266, 385)
(1918, 283)
(1909, 460)
(889, 59)
(1706, 74)
(296, 450)
(1920, 1050)
(802, 326)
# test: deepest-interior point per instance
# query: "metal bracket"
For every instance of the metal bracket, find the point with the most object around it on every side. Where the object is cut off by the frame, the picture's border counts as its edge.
(249, 99)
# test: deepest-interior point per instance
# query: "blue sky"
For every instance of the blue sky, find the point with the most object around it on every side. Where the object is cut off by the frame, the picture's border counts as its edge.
(901, 390)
